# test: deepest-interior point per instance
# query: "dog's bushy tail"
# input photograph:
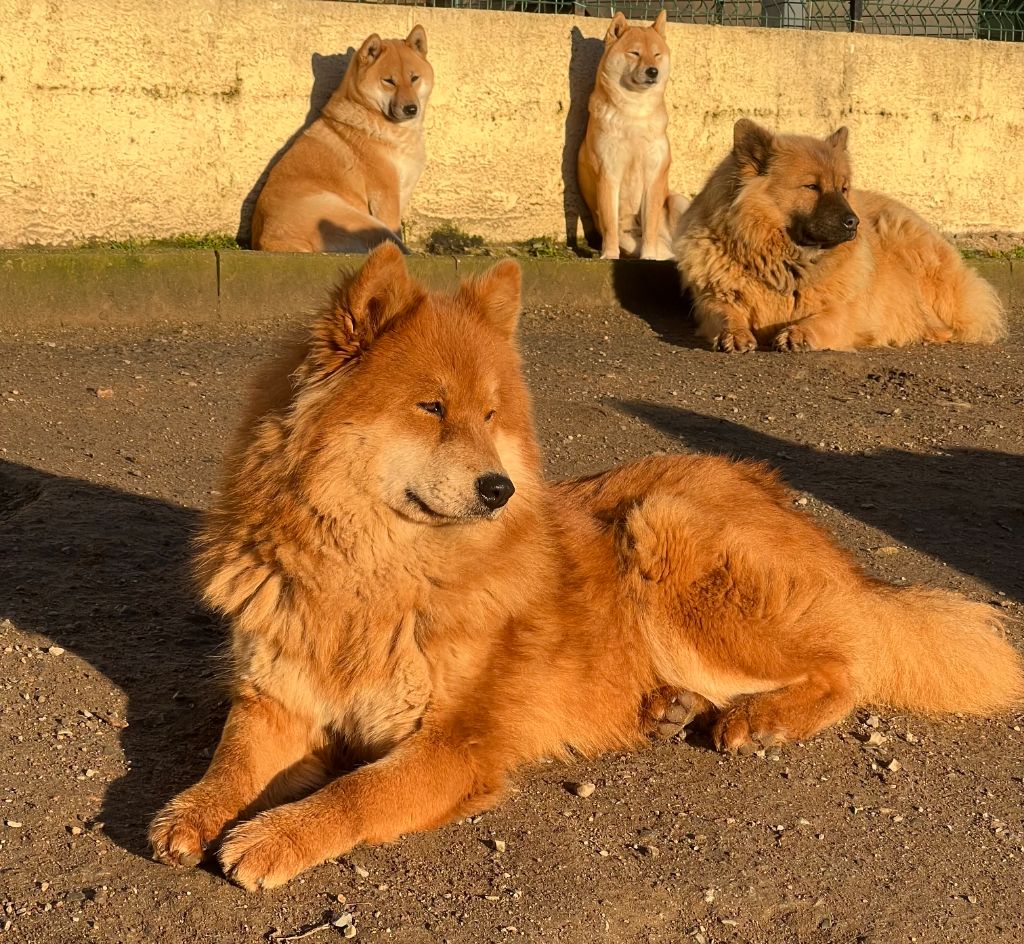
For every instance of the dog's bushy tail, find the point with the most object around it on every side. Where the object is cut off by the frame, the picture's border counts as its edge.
(936, 652)
(978, 314)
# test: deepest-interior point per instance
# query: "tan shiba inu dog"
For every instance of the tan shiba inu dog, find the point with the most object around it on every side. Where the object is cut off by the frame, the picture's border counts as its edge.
(624, 159)
(343, 185)
(779, 250)
(416, 612)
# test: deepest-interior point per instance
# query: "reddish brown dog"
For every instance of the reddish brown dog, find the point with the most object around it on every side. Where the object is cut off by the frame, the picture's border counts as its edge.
(407, 592)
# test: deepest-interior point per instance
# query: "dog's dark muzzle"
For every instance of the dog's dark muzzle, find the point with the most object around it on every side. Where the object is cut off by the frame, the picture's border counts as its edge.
(831, 223)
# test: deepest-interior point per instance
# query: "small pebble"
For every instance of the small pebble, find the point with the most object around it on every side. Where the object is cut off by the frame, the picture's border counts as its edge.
(55, 651)
(14, 824)
(498, 845)
(648, 850)
(361, 872)
(584, 790)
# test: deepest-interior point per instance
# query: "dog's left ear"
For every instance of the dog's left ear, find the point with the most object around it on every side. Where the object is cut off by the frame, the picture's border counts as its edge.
(618, 27)
(659, 23)
(839, 137)
(496, 295)
(417, 39)
(359, 310)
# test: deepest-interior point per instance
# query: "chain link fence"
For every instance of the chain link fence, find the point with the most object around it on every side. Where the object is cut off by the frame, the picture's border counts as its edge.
(952, 19)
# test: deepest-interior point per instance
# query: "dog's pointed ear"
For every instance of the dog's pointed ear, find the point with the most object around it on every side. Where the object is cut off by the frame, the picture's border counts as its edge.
(496, 295)
(839, 137)
(618, 26)
(659, 23)
(359, 310)
(370, 49)
(752, 144)
(417, 39)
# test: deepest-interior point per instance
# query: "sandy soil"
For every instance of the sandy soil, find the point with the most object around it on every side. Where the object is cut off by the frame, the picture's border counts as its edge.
(109, 444)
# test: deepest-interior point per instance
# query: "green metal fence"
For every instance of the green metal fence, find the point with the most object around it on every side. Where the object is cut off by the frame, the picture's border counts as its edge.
(953, 19)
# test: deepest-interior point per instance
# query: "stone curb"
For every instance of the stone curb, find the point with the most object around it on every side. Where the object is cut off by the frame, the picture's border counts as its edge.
(89, 287)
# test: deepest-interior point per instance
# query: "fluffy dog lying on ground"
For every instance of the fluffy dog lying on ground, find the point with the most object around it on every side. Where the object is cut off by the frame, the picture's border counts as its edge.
(343, 185)
(412, 602)
(778, 250)
(625, 157)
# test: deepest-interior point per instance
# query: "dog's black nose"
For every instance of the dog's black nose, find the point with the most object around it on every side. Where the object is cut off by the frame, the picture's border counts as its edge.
(851, 222)
(410, 110)
(494, 490)
(652, 72)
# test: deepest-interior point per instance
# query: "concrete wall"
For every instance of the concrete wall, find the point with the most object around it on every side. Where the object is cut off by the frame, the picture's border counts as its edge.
(145, 118)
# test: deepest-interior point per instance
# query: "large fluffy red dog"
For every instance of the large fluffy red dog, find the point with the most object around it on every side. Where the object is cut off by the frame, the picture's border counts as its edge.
(410, 598)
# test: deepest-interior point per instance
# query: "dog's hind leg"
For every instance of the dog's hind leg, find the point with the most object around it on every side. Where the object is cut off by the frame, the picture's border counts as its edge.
(264, 755)
(823, 697)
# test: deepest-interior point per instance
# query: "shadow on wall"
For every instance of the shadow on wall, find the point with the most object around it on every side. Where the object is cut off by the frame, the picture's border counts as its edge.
(583, 59)
(328, 71)
(104, 574)
(964, 507)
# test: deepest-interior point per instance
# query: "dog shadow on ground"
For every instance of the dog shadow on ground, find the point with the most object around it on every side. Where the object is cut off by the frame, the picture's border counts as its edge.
(328, 71)
(104, 574)
(964, 508)
(585, 54)
(651, 291)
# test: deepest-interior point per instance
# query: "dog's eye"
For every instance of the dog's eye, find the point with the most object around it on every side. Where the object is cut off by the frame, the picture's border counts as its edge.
(489, 416)
(812, 187)
(389, 81)
(414, 78)
(434, 407)
(633, 52)
(845, 190)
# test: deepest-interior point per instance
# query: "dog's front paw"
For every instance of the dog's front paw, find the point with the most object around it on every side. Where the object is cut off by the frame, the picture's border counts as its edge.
(183, 831)
(610, 252)
(794, 338)
(738, 341)
(266, 851)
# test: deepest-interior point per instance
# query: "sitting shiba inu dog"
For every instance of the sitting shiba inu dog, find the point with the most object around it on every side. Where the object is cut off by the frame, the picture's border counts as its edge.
(624, 159)
(343, 185)
(416, 613)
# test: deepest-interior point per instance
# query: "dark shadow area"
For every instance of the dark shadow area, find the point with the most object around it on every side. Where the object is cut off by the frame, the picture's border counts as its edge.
(965, 508)
(584, 56)
(651, 291)
(104, 574)
(336, 239)
(328, 71)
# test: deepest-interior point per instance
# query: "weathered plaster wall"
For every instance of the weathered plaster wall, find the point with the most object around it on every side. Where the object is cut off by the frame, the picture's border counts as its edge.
(144, 118)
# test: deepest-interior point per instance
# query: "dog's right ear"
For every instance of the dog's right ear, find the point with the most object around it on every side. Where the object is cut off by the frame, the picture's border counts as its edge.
(618, 27)
(359, 311)
(752, 144)
(496, 295)
(370, 49)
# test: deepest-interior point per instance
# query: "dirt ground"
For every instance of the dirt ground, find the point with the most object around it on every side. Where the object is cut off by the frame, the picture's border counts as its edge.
(109, 446)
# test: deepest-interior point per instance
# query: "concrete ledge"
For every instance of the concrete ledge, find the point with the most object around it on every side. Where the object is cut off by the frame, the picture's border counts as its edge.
(88, 287)
(104, 287)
